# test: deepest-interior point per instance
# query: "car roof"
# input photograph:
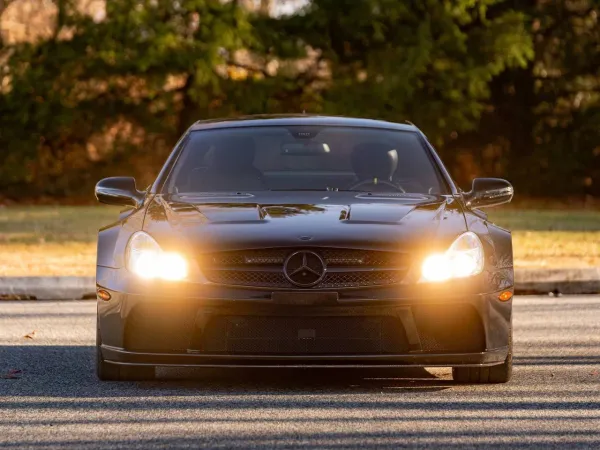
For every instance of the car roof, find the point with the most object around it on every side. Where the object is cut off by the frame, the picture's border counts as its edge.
(298, 119)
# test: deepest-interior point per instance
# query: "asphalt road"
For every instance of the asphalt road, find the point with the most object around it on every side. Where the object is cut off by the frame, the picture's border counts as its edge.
(56, 401)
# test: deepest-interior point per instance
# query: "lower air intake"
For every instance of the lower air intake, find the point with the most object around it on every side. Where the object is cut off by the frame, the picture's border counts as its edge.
(449, 328)
(304, 335)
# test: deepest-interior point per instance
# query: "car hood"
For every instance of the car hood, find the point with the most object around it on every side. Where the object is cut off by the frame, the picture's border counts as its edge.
(315, 219)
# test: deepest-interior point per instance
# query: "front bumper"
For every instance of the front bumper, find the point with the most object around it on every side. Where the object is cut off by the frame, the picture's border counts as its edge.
(165, 325)
(122, 357)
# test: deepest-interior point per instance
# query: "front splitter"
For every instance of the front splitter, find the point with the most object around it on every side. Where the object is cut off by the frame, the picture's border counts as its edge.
(120, 356)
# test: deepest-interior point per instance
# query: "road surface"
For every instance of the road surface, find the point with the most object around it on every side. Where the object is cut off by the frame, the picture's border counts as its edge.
(57, 402)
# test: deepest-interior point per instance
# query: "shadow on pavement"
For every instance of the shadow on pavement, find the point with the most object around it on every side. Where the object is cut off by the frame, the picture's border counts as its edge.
(289, 408)
(46, 369)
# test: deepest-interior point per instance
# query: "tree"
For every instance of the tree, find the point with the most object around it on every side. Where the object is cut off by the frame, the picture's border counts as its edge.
(138, 77)
(543, 117)
(429, 61)
(498, 85)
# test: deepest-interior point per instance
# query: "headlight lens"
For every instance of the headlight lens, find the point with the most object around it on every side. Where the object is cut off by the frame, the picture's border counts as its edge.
(146, 259)
(463, 259)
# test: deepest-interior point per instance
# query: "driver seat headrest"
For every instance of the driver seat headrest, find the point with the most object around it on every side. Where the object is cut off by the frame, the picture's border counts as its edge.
(372, 160)
(234, 154)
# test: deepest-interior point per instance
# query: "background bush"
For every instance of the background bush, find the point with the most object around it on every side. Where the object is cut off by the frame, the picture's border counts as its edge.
(93, 88)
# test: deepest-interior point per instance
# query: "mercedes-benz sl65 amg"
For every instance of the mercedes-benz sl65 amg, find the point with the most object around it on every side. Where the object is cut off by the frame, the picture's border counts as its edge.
(304, 241)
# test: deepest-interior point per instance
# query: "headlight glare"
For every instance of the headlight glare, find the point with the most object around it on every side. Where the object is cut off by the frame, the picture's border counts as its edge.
(145, 258)
(463, 259)
(174, 266)
(436, 268)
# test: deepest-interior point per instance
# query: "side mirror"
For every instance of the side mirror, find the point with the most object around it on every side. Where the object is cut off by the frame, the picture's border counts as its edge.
(119, 191)
(489, 192)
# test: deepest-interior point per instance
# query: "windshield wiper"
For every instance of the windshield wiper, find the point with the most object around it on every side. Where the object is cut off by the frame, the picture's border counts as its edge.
(215, 194)
(303, 190)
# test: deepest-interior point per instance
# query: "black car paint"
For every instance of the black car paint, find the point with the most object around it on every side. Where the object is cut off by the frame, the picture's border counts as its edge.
(415, 224)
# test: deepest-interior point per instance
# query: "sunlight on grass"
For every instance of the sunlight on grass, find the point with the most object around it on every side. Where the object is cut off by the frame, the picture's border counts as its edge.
(41, 224)
(548, 220)
(555, 249)
(552, 238)
(65, 259)
(61, 240)
(51, 240)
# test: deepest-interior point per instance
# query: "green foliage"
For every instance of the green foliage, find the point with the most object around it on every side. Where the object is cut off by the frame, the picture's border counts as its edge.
(429, 61)
(112, 96)
(65, 91)
(545, 114)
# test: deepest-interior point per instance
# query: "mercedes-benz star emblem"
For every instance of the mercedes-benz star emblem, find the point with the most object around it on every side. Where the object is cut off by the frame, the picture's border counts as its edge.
(304, 268)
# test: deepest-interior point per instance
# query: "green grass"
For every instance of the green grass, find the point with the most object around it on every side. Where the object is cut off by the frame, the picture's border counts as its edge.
(51, 240)
(552, 238)
(53, 224)
(545, 220)
(61, 240)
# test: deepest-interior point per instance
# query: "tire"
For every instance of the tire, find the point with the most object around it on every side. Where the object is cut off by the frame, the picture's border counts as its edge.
(113, 372)
(501, 373)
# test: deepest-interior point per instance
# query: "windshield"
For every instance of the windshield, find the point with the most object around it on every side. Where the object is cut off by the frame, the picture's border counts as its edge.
(304, 158)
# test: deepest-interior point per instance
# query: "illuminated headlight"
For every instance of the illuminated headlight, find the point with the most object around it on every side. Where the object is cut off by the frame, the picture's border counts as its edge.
(463, 259)
(146, 259)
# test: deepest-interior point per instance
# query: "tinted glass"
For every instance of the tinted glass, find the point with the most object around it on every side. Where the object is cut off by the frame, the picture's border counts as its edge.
(304, 158)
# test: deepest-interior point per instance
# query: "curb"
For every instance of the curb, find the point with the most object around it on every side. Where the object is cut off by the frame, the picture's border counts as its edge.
(47, 288)
(527, 281)
(563, 281)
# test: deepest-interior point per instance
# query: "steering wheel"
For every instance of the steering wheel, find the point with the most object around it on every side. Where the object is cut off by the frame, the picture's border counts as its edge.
(371, 182)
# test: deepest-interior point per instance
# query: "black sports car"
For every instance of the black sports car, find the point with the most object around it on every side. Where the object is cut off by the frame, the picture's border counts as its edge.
(304, 241)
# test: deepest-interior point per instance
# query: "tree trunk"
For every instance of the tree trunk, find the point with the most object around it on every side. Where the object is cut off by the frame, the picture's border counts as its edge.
(186, 114)
(265, 7)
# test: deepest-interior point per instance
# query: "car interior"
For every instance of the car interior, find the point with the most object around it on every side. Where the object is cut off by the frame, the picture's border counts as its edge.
(330, 161)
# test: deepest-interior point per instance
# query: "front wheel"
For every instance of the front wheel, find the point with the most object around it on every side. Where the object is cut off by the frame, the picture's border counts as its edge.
(501, 373)
(113, 372)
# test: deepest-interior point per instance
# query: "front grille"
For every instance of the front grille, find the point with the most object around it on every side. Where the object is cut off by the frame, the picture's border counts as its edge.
(332, 257)
(303, 335)
(247, 278)
(353, 279)
(346, 268)
(246, 258)
(278, 280)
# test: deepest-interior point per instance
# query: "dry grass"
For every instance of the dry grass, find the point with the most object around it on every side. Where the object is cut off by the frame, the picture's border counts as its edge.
(66, 259)
(58, 224)
(554, 249)
(46, 240)
(552, 238)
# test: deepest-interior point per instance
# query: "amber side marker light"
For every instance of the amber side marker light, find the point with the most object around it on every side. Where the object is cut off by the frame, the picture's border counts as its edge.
(104, 295)
(505, 296)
